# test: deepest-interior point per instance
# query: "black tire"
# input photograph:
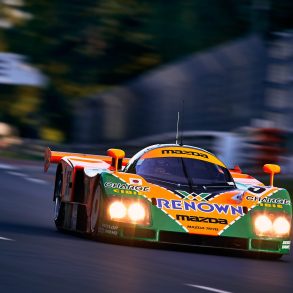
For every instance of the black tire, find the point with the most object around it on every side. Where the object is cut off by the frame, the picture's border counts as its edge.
(95, 211)
(58, 205)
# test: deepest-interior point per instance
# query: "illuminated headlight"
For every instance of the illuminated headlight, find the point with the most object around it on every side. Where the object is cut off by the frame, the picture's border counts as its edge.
(136, 212)
(263, 225)
(281, 226)
(129, 211)
(271, 225)
(117, 210)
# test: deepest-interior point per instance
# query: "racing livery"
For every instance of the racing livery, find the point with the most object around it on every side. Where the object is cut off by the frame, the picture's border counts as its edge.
(170, 194)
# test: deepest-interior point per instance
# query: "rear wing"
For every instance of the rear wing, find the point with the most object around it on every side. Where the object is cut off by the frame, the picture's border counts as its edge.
(55, 157)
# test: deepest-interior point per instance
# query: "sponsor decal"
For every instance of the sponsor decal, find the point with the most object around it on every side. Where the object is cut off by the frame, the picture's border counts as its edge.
(258, 190)
(286, 244)
(126, 191)
(205, 196)
(212, 228)
(238, 197)
(204, 207)
(267, 200)
(194, 196)
(181, 152)
(135, 181)
(268, 205)
(127, 186)
(109, 229)
(196, 227)
(201, 219)
(203, 228)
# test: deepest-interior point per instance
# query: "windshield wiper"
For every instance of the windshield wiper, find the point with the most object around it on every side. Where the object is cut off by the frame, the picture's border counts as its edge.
(151, 178)
(218, 186)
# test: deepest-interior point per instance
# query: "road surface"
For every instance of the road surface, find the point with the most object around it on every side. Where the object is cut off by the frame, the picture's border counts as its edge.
(34, 257)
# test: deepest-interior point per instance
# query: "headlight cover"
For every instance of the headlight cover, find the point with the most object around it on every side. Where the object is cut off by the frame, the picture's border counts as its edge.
(117, 210)
(281, 226)
(271, 224)
(136, 212)
(263, 225)
(127, 210)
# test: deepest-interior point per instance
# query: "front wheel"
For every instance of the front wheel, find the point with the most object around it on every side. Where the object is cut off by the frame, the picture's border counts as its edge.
(95, 211)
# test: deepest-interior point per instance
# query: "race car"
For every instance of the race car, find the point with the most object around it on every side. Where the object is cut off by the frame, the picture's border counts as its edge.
(170, 193)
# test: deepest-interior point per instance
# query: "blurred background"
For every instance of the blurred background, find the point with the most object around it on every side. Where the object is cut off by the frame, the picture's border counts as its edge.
(87, 75)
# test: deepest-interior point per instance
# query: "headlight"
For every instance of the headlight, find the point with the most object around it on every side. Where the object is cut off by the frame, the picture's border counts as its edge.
(263, 224)
(281, 226)
(271, 225)
(129, 211)
(136, 212)
(117, 210)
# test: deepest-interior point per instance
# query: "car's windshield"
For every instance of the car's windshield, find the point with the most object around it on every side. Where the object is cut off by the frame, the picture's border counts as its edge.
(184, 171)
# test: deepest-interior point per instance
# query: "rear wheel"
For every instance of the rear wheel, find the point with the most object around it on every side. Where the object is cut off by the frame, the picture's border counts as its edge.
(58, 206)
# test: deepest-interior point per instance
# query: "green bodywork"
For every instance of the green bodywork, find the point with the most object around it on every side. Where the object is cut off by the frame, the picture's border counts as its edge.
(160, 221)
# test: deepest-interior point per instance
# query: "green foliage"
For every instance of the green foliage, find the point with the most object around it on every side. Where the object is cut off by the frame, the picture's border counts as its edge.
(19, 106)
(183, 27)
(85, 46)
(86, 42)
(82, 46)
(91, 42)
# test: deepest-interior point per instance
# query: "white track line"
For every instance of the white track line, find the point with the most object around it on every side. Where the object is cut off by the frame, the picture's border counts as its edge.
(15, 173)
(24, 176)
(8, 167)
(35, 180)
(207, 288)
(4, 238)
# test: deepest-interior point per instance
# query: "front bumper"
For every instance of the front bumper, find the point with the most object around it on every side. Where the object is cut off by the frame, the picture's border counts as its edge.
(127, 232)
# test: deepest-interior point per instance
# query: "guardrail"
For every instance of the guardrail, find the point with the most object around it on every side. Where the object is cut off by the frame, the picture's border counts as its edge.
(34, 149)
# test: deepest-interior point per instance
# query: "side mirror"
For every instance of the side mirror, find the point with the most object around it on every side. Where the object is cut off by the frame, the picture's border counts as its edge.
(271, 169)
(117, 156)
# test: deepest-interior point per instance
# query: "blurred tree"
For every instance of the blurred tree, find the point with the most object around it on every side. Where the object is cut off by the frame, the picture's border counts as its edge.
(19, 106)
(11, 13)
(85, 42)
(86, 46)
(183, 27)
(83, 46)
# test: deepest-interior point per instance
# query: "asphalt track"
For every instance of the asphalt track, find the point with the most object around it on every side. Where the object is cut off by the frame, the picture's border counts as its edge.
(34, 257)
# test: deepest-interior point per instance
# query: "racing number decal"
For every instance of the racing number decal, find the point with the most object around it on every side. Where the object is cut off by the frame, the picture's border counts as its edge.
(258, 190)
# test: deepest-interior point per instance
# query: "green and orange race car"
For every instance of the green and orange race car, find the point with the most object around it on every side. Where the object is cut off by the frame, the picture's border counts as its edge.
(170, 193)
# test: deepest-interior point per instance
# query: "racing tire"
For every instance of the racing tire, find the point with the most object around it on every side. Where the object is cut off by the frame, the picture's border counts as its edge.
(95, 211)
(58, 205)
